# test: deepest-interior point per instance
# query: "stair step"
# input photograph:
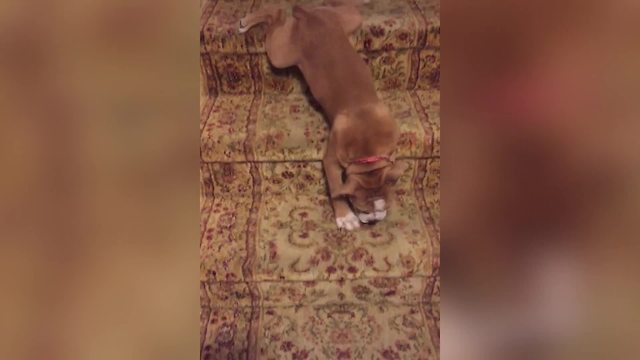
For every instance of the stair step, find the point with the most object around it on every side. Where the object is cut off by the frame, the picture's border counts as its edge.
(247, 74)
(280, 214)
(333, 331)
(388, 24)
(400, 41)
(278, 127)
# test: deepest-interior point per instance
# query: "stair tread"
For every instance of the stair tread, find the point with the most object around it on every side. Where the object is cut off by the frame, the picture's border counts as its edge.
(283, 209)
(248, 74)
(387, 25)
(338, 330)
(288, 127)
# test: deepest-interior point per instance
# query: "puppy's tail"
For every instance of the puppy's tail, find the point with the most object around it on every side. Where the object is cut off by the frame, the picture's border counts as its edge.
(267, 15)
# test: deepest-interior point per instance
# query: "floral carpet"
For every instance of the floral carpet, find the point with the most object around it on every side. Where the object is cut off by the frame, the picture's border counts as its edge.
(278, 280)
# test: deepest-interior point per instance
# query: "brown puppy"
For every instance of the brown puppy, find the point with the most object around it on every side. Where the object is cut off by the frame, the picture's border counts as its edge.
(359, 161)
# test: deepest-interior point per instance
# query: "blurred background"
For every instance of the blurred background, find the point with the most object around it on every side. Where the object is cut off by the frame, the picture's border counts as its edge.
(99, 185)
(540, 186)
(99, 147)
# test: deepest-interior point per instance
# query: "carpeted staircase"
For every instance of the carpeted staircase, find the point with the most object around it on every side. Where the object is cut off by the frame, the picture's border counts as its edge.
(278, 280)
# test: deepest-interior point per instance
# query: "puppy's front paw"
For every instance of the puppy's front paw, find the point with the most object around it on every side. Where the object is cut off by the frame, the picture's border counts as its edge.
(371, 217)
(366, 218)
(380, 215)
(349, 221)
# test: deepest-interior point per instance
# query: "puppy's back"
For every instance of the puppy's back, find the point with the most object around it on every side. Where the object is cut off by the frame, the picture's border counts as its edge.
(315, 30)
(339, 78)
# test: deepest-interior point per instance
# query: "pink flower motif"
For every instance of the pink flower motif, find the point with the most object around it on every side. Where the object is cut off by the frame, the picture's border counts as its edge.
(377, 31)
(392, 83)
(389, 354)
(232, 74)
(358, 254)
(343, 354)
(225, 335)
(227, 220)
(286, 346)
(273, 250)
(407, 261)
(367, 44)
(314, 261)
(388, 60)
(325, 254)
(389, 293)
(361, 292)
(300, 355)
(288, 175)
(341, 336)
(369, 261)
(228, 171)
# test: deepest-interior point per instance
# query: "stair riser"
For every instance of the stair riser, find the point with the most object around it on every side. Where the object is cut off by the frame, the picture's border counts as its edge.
(409, 69)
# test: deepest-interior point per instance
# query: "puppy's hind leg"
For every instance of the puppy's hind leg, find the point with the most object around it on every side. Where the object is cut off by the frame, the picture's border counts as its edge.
(280, 48)
(268, 15)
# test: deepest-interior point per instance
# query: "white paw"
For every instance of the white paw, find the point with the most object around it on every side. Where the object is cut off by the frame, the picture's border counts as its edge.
(380, 212)
(365, 218)
(380, 215)
(375, 216)
(349, 222)
(242, 28)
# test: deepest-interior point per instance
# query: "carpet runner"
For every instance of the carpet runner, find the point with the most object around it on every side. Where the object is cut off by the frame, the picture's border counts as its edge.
(277, 279)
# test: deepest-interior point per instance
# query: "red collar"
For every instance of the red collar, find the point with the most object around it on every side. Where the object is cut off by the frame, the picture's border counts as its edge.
(370, 159)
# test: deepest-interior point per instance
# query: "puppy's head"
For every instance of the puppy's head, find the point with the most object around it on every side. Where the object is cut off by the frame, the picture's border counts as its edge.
(369, 192)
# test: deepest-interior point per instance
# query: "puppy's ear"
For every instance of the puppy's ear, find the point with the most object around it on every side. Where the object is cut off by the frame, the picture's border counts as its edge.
(347, 189)
(395, 172)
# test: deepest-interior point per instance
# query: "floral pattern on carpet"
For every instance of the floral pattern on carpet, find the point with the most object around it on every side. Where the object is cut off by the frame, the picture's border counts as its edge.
(269, 239)
(294, 234)
(241, 74)
(399, 39)
(290, 127)
(277, 279)
(388, 25)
